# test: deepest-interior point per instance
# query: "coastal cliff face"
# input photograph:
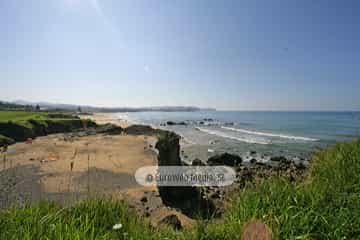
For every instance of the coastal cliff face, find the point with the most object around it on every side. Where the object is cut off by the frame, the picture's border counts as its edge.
(189, 199)
(169, 149)
(20, 131)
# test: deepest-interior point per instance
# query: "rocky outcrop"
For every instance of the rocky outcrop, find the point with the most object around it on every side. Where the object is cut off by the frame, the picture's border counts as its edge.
(189, 199)
(110, 129)
(169, 149)
(198, 162)
(225, 159)
(278, 159)
(140, 130)
(20, 131)
(171, 123)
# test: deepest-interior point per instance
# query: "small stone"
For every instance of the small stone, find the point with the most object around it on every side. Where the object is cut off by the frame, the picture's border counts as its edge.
(143, 199)
(173, 221)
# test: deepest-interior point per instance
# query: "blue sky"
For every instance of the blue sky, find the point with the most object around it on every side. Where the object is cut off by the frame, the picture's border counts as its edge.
(246, 55)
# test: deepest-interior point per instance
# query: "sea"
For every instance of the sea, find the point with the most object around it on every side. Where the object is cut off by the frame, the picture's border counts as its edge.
(291, 134)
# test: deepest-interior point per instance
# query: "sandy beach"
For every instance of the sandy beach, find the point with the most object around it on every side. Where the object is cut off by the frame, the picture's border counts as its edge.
(102, 118)
(51, 167)
(66, 168)
(56, 165)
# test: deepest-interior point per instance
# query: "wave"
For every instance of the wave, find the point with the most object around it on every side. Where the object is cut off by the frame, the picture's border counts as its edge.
(224, 135)
(270, 134)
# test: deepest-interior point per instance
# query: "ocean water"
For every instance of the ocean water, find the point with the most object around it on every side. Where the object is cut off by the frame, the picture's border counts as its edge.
(270, 133)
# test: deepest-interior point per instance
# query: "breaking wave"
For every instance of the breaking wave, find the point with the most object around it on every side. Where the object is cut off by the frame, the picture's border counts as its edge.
(224, 135)
(270, 134)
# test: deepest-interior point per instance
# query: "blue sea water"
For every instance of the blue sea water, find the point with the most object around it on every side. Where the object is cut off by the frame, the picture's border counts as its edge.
(267, 132)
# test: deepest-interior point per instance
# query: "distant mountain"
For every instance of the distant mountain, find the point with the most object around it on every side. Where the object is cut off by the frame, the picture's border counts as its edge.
(72, 107)
(8, 105)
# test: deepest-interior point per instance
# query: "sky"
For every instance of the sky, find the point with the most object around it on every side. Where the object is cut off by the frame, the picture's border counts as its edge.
(230, 55)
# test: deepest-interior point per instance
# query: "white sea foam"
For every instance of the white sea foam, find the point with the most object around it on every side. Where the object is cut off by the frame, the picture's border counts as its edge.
(224, 135)
(270, 134)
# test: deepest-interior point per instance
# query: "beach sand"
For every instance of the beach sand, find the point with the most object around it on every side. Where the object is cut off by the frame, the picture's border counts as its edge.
(54, 167)
(66, 169)
(102, 118)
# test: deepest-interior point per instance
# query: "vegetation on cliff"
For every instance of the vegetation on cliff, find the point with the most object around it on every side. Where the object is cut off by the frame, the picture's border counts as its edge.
(20, 125)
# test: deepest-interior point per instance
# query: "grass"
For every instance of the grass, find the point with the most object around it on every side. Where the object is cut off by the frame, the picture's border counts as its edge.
(20, 115)
(325, 206)
(92, 219)
(20, 125)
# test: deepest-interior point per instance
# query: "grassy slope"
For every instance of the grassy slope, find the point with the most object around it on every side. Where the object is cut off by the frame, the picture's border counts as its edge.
(21, 115)
(326, 206)
(19, 125)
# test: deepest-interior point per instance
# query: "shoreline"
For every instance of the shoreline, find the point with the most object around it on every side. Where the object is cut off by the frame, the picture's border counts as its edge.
(103, 118)
(187, 156)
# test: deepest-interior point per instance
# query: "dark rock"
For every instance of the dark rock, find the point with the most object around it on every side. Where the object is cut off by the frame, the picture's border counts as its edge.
(224, 159)
(260, 163)
(215, 195)
(252, 152)
(253, 160)
(169, 149)
(198, 162)
(179, 197)
(110, 129)
(278, 159)
(170, 123)
(284, 163)
(300, 166)
(140, 130)
(173, 221)
(144, 199)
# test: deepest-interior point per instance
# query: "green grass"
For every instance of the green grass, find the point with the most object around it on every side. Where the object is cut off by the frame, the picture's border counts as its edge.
(23, 116)
(20, 125)
(20, 115)
(325, 206)
(87, 220)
